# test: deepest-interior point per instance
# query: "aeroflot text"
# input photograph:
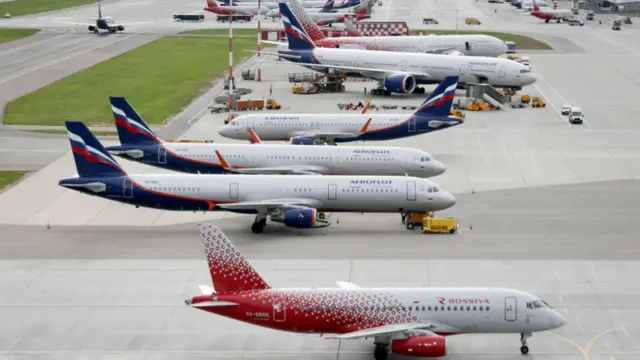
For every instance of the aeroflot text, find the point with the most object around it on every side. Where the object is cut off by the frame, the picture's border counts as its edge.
(371, 151)
(282, 118)
(371, 182)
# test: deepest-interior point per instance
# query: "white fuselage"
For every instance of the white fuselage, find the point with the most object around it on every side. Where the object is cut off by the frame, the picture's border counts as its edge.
(451, 310)
(248, 10)
(274, 5)
(495, 71)
(557, 12)
(334, 193)
(314, 14)
(329, 160)
(471, 45)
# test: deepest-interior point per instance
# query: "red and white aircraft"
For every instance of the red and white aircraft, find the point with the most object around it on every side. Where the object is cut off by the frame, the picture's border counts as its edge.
(407, 321)
(250, 10)
(551, 14)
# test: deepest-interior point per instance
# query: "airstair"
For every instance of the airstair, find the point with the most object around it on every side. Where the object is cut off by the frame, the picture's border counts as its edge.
(487, 93)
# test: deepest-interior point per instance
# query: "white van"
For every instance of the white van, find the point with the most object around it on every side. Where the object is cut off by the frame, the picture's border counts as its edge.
(576, 22)
(576, 116)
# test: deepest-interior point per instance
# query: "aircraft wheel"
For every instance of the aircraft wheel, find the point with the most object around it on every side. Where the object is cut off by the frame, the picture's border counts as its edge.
(321, 215)
(524, 349)
(258, 227)
(387, 93)
(380, 353)
(410, 225)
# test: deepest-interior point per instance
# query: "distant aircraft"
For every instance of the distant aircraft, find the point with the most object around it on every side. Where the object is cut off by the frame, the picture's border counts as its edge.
(274, 4)
(103, 23)
(402, 320)
(250, 10)
(398, 72)
(467, 44)
(296, 201)
(550, 14)
(433, 115)
(138, 143)
(327, 17)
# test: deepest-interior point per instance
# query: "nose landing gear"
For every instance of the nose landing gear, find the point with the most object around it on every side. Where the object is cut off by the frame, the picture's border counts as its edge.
(524, 349)
(381, 352)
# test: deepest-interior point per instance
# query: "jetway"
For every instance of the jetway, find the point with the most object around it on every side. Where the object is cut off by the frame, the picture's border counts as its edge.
(477, 91)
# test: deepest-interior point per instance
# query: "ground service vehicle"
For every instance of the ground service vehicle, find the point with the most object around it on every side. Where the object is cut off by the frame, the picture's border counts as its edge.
(412, 220)
(576, 22)
(272, 104)
(518, 102)
(478, 105)
(566, 109)
(429, 21)
(472, 21)
(514, 57)
(439, 225)
(627, 20)
(457, 113)
(197, 18)
(538, 102)
(617, 24)
(511, 47)
(576, 116)
(591, 15)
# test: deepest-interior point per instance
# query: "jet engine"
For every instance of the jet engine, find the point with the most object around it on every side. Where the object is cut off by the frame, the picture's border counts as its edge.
(92, 28)
(400, 83)
(421, 346)
(120, 28)
(303, 219)
(299, 140)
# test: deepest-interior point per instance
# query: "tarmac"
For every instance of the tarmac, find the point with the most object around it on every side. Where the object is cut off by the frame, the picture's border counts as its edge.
(543, 206)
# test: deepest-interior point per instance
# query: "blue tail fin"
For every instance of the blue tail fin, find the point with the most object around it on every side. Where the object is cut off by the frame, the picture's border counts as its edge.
(92, 160)
(440, 101)
(132, 130)
(296, 36)
(328, 7)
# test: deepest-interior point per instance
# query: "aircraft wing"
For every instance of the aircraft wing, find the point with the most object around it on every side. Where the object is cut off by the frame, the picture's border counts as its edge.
(347, 285)
(375, 73)
(75, 23)
(384, 330)
(282, 170)
(271, 205)
(131, 23)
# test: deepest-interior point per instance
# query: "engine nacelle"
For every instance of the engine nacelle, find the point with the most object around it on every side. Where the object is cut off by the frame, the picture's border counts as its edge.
(302, 141)
(400, 83)
(420, 346)
(303, 219)
(92, 28)
(120, 28)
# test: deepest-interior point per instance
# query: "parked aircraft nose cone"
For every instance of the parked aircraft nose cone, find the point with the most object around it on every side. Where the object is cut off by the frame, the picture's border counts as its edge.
(557, 321)
(437, 168)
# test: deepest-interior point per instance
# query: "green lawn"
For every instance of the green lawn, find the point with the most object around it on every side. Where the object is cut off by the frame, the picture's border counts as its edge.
(8, 177)
(522, 42)
(60, 131)
(223, 31)
(159, 79)
(24, 7)
(7, 35)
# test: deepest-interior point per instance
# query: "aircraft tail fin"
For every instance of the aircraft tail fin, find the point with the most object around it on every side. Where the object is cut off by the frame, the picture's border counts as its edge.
(328, 7)
(350, 27)
(99, 12)
(440, 101)
(305, 21)
(230, 271)
(91, 158)
(298, 38)
(132, 130)
(535, 6)
(212, 4)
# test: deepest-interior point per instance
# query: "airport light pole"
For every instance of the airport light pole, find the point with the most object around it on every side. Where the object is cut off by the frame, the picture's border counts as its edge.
(457, 19)
(230, 60)
(259, 34)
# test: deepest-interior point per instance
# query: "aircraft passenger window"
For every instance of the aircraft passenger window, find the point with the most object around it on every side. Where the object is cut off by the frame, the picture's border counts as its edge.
(486, 308)
(428, 308)
(468, 308)
(435, 308)
(448, 308)
(441, 308)
(474, 308)
(403, 308)
(480, 308)
(455, 308)
(366, 308)
(410, 308)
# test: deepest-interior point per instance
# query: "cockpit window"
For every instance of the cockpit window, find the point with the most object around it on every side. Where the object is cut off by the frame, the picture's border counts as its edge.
(424, 158)
(537, 304)
(525, 71)
(435, 189)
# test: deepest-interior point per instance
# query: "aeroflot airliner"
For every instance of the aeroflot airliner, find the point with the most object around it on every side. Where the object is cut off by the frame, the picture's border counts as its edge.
(407, 321)
(399, 72)
(297, 201)
(433, 115)
(139, 143)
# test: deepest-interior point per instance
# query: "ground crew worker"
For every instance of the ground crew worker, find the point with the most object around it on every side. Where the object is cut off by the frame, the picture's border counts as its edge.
(270, 89)
(365, 90)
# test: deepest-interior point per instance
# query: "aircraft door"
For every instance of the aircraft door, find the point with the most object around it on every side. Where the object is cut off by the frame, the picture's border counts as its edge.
(250, 121)
(462, 70)
(337, 161)
(333, 192)
(412, 124)
(252, 160)
(510, 308)
(127, 188)
(404, 66)
(233, 191)
(411, 190)
(502, 72)
(279, 312)
(467, 46)
(162, 155)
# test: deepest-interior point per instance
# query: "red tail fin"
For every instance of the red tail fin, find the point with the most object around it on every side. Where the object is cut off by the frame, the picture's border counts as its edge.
(212, 4)
(230, 271)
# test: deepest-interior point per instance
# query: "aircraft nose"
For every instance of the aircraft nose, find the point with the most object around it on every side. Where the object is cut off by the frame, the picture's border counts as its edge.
(447, 200)
(224, 131)
(437, 168)
(532, 77)
(557, 321)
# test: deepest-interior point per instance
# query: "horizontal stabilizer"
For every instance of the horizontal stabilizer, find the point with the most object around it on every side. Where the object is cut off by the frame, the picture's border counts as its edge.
(206, 289)
(207, 304)
(274, 43)
(347, 285)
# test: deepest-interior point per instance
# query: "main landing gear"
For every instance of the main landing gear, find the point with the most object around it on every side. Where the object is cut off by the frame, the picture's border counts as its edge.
(381, 352)
(524, 349)
(259, 223)
(380, 91)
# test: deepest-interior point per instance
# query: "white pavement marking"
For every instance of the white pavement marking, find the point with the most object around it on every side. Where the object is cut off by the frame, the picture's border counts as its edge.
(564, 101)
(593, 274)
(64, 59)
(33, 150)
(27, 46)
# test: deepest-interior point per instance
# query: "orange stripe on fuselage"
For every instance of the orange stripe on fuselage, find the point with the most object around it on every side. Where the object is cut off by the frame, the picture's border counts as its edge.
(211, 204)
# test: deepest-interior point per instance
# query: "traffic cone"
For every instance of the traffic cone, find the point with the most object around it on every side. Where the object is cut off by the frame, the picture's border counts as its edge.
(48, 225)
(471, 226)
(337, 220)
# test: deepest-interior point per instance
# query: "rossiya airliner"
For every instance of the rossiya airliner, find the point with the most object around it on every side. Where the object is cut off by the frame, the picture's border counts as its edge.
(407, 321)
(433, 115)
(296, 201)
(139, 143)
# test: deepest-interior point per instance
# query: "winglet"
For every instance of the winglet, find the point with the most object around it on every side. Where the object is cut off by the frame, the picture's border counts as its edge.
(366, 107)
(223, 162)
(254, 137)
(366, 126)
